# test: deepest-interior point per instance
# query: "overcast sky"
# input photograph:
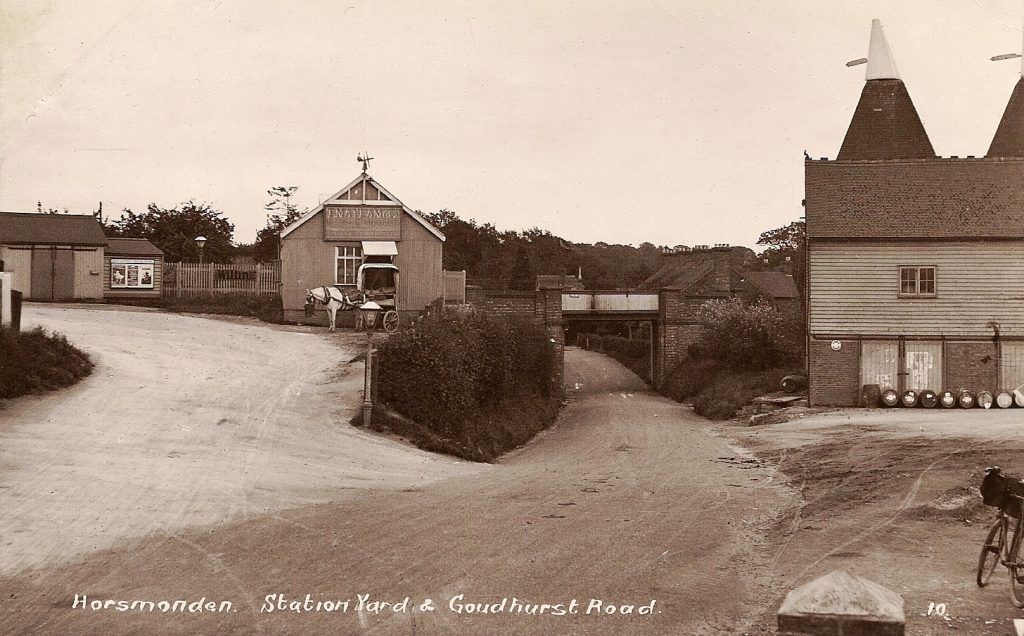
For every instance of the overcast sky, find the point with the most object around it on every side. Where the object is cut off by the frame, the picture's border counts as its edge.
(678, 122)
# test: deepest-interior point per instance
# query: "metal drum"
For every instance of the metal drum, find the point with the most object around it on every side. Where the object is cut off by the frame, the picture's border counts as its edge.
(928, 399)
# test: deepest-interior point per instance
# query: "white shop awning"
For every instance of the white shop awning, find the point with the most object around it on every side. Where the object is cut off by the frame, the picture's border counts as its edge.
(380, 248)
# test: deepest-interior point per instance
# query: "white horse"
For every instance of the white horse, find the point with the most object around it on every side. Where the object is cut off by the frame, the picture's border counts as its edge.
(332, 299)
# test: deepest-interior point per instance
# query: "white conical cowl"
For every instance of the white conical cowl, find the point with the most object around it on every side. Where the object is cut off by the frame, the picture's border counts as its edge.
(881, 64)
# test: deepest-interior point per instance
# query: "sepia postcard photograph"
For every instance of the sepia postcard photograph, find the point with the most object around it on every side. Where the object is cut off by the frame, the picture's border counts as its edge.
(667, 317)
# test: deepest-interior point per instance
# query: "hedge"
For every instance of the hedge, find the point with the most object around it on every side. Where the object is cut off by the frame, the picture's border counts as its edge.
(473, 386)
(35, 362)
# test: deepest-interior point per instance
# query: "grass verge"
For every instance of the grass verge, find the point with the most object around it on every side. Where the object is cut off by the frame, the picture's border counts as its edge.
(36, 361)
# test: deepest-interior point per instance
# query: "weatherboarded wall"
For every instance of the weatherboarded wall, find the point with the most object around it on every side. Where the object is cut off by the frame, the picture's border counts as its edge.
(420, 279)
(88, 273)
(307, 261)
(854, 288)
(18, 261)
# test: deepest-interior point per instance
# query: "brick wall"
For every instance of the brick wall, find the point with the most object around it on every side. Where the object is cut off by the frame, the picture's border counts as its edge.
(508, 304)
(971, 365)
(834, 375)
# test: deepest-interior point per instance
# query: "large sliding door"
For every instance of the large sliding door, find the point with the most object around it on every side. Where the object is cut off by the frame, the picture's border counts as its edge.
(880, 363)
(922, 363)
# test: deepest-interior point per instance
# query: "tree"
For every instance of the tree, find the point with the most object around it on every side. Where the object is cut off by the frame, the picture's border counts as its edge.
(787, 241)
(174, 231)
(746, 336)
(282, 213)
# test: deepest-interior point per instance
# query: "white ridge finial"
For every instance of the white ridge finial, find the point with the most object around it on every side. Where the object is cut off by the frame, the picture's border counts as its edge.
(880, 61)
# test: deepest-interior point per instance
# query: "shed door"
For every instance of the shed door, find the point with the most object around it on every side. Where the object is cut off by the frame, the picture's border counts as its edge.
(879, 363)
(923, 365)
(63, 274)
(42, 273)
(1011, 368)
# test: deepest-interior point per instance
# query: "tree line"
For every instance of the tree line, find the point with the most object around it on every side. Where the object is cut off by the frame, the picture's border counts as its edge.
(492, 258)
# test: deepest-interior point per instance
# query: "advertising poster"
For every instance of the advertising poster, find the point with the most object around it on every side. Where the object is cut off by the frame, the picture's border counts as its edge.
(131, 273)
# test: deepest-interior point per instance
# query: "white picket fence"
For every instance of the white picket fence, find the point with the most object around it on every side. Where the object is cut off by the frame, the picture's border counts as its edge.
(190, 279)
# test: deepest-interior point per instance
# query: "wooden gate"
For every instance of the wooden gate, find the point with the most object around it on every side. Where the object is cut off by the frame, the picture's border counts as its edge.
(922, 365)
(880, 363)
(1011, 367)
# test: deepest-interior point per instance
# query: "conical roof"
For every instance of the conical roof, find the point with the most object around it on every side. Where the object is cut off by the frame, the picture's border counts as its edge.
(885, 124)
(1009, 138)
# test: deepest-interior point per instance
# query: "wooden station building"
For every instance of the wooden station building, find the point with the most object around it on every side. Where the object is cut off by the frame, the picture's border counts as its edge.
(360, 223)
(67, 257)
(915, 262)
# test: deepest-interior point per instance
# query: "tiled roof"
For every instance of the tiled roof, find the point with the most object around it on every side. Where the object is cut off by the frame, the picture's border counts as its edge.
(774, 284)
(132, 247)
(939, 198)
(1009, 138)
(686, 269)
(50, 229)
(885, 125)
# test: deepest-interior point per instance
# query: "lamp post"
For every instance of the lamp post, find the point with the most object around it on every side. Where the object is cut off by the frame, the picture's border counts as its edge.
(200, 241)
(369, 312)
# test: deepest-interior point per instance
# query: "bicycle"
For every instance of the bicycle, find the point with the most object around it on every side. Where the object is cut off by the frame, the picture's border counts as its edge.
(1006, 494)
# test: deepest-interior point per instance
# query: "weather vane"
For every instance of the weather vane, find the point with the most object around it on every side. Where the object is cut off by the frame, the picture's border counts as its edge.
(364, 159)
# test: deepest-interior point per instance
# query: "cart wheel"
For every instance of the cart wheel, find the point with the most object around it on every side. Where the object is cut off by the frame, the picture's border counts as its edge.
(390, 321)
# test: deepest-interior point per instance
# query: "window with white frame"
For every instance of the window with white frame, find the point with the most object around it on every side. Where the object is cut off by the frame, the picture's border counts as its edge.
(917, 281)
(347, 259)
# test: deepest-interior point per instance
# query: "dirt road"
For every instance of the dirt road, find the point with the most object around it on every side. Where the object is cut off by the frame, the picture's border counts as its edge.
(627, 501)
(891, 495)
(185, 421)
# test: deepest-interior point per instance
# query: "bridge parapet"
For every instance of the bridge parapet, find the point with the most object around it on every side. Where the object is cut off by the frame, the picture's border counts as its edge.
(610, 301)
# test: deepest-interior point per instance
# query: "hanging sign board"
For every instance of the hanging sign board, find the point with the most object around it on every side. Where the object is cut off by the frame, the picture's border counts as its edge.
(362, 222)
(131, 273)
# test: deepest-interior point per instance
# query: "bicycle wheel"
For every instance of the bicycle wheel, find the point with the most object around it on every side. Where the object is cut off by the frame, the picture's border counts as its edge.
(1016, 568)
(989, 558)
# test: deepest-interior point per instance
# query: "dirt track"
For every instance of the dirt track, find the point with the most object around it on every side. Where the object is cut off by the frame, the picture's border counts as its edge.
(627, 500)
(186, 421)
(891, 495)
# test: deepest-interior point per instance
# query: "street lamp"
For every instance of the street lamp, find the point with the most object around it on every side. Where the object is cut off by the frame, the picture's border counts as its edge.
(200, 241)
(368, 312)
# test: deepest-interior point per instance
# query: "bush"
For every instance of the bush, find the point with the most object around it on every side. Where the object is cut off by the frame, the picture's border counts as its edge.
(730, 392)
(266, 307)
(747, 336)
(34, 362)
(474, 386)
(690, 377)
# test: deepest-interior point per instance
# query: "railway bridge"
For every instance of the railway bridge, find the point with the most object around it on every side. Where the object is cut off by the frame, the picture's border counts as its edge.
(670, 314)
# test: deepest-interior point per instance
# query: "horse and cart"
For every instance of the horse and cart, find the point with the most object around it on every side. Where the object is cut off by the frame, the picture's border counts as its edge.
(374, 281)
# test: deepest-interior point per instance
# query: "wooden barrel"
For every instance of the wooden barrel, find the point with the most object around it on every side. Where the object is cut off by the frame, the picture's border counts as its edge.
(1018, 398)
(890, 397)
(1004, 399)
(947, 399)
(909, 398)
(928, 399)
(984, 399)
(871, 396)
(965, 399)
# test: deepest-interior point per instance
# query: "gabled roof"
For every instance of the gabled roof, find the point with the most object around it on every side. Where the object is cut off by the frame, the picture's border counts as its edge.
(681, 273)
(894, 200)
(885, 124)
(132, 247)
(773, 284)
(1009, 138)
(336, 199)
(24, 228)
